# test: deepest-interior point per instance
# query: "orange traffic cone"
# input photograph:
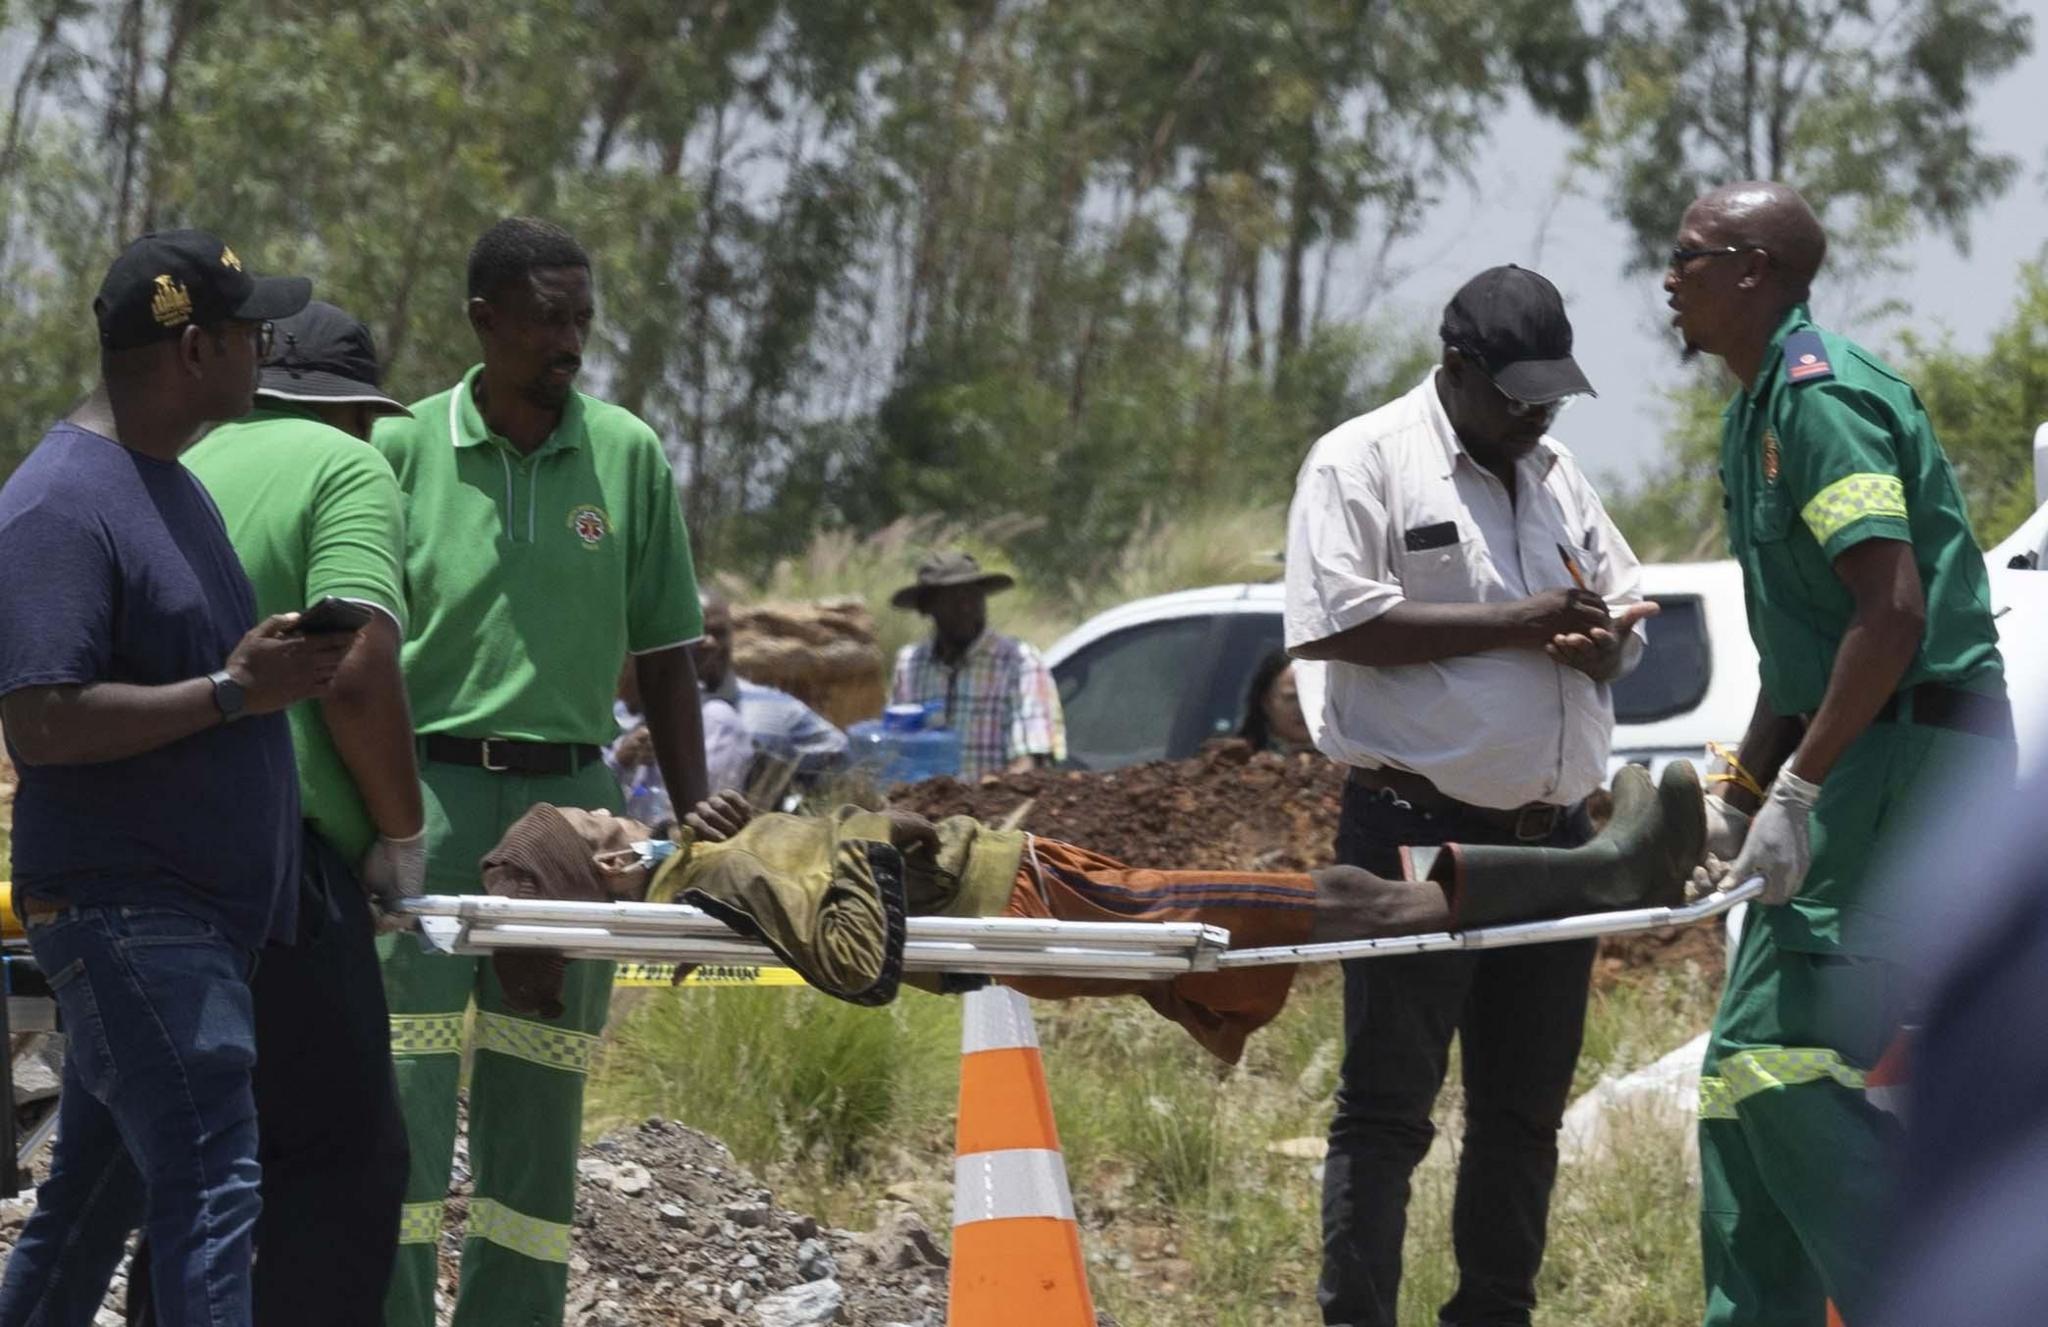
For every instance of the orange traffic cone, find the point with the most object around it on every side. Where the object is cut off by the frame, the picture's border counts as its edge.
(1016, 1246)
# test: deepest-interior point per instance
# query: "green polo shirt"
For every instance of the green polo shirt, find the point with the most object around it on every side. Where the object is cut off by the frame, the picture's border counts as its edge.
(532, 577)
(1829, 448)
(312, 512)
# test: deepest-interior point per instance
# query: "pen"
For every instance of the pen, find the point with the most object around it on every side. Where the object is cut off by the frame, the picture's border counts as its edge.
(1578, 577)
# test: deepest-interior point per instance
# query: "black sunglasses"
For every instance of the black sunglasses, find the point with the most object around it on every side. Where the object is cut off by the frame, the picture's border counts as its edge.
(1680, 255)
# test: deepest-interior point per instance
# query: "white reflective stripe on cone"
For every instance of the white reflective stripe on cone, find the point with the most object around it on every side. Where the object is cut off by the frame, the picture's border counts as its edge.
(995, 1186)
(997, 1019)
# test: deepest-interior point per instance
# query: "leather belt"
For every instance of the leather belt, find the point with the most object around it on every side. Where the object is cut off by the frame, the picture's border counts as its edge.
(35, 911)
(502, 755)
(1530, 823)
(1937, 705)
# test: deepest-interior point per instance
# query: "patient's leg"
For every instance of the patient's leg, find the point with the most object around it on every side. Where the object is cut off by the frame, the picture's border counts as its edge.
(1354, 904)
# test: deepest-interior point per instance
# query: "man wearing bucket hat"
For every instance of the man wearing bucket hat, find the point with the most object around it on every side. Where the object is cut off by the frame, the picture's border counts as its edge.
(1459, 600)
(313, 511)
(137, 675)
(993, 690)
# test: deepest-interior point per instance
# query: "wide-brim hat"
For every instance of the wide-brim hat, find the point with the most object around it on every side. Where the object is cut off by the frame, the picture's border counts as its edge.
(943, 570)
(322, 356)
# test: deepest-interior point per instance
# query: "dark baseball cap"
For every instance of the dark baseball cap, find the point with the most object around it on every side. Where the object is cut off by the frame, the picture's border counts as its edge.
(171, 279)
(1512, 321)
(322, 355)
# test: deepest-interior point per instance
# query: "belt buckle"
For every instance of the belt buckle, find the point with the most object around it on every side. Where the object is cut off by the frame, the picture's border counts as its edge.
(484, 753)
(1529, 817)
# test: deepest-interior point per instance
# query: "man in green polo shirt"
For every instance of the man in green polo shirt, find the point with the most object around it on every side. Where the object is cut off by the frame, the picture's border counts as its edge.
(313, 511)
(1870, 607)
(545, 543)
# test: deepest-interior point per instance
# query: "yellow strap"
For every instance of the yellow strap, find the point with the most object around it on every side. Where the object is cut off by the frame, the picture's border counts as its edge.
(528, 1236)
(1737, 774)
(426, 1034)
(419, 1223)
(1850, 499)
(1748, 1073)
(536, 1043)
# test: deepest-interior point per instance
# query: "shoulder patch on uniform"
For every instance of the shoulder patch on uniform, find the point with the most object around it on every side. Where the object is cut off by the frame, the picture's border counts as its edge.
(1806, 358)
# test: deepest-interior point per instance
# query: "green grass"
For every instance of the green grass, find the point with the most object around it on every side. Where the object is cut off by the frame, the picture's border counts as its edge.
(1192, 1213)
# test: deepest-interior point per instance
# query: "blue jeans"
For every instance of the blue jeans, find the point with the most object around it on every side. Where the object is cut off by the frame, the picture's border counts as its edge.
(156, 1124)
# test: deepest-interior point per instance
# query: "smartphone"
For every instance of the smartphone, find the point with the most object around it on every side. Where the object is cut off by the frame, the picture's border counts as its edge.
(330, 615)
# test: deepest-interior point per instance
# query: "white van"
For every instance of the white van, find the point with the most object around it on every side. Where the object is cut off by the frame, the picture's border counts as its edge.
(1155, 678)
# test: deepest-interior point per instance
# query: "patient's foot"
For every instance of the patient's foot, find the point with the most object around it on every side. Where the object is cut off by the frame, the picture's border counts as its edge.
(1354, 904)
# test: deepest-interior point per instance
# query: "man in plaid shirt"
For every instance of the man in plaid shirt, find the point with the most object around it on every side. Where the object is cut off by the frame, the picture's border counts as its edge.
(994, 690)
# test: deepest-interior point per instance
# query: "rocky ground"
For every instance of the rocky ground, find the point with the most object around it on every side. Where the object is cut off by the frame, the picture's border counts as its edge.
(670, 1231)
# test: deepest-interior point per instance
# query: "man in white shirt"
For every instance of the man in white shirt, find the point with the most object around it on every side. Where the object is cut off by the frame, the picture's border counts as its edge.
(1460, 601)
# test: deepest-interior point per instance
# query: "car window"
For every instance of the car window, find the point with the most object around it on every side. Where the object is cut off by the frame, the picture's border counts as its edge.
(1677, 663)
(1123, 693)
(1247, 639)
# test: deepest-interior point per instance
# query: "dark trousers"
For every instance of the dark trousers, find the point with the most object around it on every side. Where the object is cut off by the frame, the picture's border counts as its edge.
(331, 1138)
(1520, 1014)
(155, 1125)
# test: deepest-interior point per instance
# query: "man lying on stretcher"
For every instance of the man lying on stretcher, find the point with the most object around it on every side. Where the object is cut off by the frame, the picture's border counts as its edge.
(829, 894)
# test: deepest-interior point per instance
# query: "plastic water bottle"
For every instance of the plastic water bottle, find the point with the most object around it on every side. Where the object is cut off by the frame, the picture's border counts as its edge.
(648, 802)
(909, 743)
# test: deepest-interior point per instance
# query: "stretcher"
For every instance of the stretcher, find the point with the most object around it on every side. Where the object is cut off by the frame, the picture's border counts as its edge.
(478, 924)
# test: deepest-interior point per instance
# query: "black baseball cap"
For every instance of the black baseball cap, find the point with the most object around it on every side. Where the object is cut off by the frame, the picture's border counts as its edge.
(322, 355)
(1512, 321)
(171, 279)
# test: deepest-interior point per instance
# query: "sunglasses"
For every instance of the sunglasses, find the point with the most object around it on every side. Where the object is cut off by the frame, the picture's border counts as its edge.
(1682, 256)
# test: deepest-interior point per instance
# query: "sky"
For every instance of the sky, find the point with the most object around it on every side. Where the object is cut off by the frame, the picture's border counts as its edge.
(1514, 213)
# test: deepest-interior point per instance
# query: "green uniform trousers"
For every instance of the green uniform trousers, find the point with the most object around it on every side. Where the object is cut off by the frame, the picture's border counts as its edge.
(1794, 1158)
(526, 1082)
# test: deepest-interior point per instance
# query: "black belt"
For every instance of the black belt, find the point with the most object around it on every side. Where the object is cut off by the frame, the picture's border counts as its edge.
(1940, 706)
(502, 755)
(1531, 823)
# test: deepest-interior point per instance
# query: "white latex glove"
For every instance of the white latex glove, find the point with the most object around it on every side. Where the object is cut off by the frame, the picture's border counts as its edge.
(1779, 846)
(1726, 828)
(395, 869)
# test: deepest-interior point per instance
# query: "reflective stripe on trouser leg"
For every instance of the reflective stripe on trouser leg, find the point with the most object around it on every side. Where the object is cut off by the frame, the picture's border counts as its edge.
(525, 1129)
(1746, 1073)
(428, 994)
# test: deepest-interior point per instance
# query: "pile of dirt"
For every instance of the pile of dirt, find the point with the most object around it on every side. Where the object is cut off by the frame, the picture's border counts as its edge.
(671, 1231)
(1232, 810)
(1227, 809)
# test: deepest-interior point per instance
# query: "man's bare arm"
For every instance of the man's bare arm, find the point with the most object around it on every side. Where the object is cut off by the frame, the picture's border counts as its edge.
(370, 722)
(1413, 632)
(98, 721)
(675, 718)
(1883, 636)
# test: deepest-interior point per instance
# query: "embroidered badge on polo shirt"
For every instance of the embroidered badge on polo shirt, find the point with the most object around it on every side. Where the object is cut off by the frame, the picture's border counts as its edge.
(1806, 358)
(590, 524)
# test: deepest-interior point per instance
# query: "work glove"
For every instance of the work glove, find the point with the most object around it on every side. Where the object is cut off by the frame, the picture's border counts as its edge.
(1779, 844)
(1726, 828)
(393, 870)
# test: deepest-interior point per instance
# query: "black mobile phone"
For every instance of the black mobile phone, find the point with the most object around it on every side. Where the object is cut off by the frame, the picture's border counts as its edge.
(332, 614)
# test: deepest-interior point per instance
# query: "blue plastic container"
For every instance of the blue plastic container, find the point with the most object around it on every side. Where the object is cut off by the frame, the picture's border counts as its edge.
(908, 744)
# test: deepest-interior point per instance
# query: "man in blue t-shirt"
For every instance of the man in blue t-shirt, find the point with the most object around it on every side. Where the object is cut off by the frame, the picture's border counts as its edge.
(133, 674)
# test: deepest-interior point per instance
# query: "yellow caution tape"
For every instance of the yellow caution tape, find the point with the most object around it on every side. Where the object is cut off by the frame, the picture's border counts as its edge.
(706, 974)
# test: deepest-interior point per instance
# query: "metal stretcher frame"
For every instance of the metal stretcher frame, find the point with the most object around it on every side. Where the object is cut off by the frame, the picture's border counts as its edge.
(995, 946)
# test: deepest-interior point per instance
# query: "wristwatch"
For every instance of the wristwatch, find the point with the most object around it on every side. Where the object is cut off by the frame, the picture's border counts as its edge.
(227, 695)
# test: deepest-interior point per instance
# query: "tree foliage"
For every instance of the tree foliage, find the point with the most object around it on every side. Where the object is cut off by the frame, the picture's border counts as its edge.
(1069, 259)
(1864, 105)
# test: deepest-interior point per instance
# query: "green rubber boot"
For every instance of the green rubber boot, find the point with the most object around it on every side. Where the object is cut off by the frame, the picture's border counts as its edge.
(1641, 860)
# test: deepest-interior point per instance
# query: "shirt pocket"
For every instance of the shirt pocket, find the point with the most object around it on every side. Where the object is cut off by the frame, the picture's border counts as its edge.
(1446, 575)
(1770, 514)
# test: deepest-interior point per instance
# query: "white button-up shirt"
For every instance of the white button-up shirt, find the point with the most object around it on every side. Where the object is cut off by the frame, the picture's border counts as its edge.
(1389, 507)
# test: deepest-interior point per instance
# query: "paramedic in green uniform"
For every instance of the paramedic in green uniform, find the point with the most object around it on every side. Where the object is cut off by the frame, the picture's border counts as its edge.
(544, 543)
(1870, 607)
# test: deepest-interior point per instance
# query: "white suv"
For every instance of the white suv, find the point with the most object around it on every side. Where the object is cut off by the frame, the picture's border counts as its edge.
(1154, 679)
